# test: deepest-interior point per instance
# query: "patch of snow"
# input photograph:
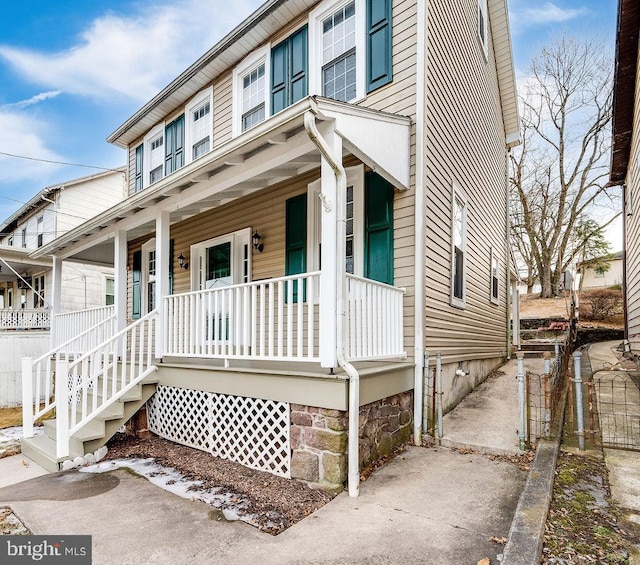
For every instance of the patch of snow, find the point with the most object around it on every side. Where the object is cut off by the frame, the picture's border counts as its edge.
(234, 507)
(14, 433)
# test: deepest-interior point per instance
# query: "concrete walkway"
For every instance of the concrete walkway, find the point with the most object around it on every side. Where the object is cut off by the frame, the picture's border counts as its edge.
(433, 505)
(487, 419)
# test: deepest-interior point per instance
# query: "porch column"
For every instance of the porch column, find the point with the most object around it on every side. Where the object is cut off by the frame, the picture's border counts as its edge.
(56, 294)
(120, 278)
(329, 252)
(162, 276)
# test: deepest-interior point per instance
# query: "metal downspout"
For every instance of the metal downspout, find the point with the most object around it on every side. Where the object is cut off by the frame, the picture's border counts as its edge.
(508, 296)
(420, 229)
(349, 369)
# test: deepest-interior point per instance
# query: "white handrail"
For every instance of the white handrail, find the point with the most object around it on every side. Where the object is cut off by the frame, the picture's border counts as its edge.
(37, 376)
(96, 380)
(67, 325)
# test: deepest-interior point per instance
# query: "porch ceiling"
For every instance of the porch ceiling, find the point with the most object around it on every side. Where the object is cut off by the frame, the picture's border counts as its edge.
(19, 260)
(275, 150)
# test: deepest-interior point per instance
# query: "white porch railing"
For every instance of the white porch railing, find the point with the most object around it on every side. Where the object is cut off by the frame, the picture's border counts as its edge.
(37, 374)
(374, 325)
(273, 320)
(100, 377)
(69, 324)
(25, 319)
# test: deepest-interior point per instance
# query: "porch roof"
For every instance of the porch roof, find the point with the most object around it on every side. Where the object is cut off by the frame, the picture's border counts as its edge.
(275, 150)
(18, 259)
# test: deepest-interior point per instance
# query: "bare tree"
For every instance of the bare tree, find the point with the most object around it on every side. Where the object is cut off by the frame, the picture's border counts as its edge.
(559, 173)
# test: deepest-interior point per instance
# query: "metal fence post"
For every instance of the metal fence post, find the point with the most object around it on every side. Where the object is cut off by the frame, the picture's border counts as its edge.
(546, 430)
(425, 397)
(556, 348)
(577, 378)
(522, 409)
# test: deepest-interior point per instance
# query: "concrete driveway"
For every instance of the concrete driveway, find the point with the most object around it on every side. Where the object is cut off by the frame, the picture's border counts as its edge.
(427, 506)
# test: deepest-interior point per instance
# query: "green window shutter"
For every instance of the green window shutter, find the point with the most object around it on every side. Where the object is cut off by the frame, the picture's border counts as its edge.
(171, 266)
(174, 145)
(378, 243)
(296, 237)
(137, 280)
(139, 161)
(379, 57)
(289, 62)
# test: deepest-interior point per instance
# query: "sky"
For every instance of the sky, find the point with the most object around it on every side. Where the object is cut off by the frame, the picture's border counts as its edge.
(71, 72)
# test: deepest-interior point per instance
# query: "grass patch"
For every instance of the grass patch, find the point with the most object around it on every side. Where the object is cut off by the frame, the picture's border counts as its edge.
(10, 417)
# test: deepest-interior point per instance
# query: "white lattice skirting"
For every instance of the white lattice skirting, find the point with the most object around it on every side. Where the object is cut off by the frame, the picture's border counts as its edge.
(250, 431)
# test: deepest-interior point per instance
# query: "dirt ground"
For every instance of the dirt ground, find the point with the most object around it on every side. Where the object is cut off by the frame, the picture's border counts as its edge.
(278, 502)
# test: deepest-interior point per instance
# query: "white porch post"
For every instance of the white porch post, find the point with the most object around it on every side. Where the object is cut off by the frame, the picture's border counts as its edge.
(329, 251)
(162, 276)
(120, 282)
(56, 294)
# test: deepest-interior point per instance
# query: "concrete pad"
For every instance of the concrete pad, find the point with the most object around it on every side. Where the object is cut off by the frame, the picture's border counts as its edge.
(487, 419)
(624, 477)
(18, 468)
(426, 506)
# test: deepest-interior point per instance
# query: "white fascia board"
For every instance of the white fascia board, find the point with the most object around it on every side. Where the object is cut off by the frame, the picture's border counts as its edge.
(382, 141)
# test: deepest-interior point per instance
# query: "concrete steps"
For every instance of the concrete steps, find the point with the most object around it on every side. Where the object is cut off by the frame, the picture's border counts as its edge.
(95, 433)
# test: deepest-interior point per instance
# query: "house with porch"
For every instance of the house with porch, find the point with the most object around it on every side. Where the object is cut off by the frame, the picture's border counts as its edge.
(25, 282)
(317, 211)
(625, 160)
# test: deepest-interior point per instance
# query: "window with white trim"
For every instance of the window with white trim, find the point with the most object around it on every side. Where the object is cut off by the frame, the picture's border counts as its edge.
(483, 25)
(495, 277)
(109, 291)
(148, 276)
(337, 50)
(10, 241)
(199, 125)
(251, 93)
(154, 155)
(24, 237)
(40, 230)
(38, 291)
(458, 247)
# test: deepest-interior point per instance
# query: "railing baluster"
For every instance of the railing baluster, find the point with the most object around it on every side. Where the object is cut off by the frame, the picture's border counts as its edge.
(271, 320)
(310, 306)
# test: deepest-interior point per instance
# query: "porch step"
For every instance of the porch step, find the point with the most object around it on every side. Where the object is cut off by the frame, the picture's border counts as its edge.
(94, 434)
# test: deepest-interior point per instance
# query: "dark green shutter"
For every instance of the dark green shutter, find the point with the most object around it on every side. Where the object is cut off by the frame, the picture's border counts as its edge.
(379, 47)
(137, 279)
(378, 243)
(139, 165)
(171, 266)
(289, 61)
(296, 237)
(174, 145)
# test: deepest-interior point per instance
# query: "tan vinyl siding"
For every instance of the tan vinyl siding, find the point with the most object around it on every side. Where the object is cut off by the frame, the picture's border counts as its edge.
(464, 142)
(632, 231)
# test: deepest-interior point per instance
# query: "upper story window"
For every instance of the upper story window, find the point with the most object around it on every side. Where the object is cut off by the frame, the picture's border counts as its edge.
(458, 248)
(23, 237)
(251, 101)
(289, 64)
(156, 156)
(200, 133)
(483, 25)
(10, 240)
(40, 227)
(174, 145)
(339, 54)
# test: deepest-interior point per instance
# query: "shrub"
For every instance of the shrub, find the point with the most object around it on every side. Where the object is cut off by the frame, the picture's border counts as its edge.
(600, 304)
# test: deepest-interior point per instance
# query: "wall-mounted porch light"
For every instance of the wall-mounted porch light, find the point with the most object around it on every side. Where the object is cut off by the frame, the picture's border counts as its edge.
(182, 263)
(256, 237)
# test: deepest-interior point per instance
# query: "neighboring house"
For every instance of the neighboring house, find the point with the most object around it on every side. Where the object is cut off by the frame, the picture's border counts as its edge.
(625, 159)
(602, 272)
(26, 282)
(314, 205)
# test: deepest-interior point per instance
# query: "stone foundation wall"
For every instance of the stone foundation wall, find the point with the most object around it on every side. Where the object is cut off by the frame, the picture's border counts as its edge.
(319, 438)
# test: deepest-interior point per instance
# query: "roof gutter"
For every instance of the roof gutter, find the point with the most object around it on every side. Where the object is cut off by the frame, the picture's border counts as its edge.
(354, 378)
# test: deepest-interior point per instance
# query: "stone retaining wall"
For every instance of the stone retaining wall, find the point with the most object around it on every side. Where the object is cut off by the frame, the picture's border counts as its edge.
(319, 438)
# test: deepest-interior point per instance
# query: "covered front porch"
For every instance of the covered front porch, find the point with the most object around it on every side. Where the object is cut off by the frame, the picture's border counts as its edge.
(194, 284)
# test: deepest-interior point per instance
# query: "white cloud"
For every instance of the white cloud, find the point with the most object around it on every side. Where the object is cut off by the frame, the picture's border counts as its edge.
(33, 100)
(549, 13)
(24, 135)
(132, 56)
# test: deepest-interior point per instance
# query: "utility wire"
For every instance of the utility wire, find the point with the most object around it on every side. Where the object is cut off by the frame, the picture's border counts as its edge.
(56, 162)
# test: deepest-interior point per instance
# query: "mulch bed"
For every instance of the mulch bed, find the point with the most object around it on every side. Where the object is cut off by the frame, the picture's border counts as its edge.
(278, 502)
